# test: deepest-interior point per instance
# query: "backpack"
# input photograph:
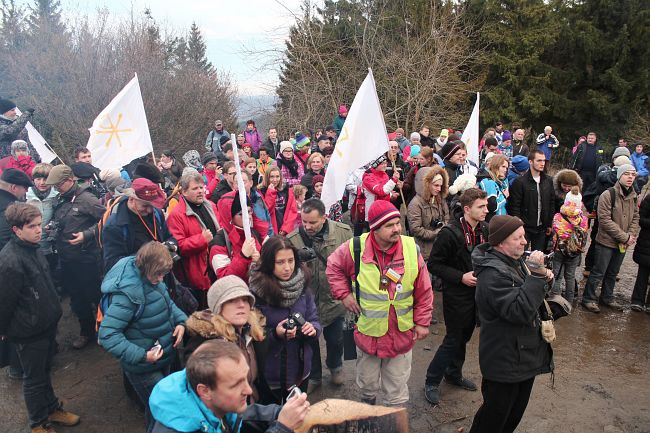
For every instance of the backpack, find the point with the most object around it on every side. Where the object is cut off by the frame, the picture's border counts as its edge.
(575, 245)
(105, 302)
(612, 195)
(358, 210)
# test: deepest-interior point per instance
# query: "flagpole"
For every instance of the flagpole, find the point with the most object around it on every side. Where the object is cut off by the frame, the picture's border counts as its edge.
(242, 189)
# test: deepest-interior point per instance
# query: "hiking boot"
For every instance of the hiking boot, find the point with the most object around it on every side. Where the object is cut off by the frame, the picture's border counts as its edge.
(614, 305)
(432, 393)
(647, 309)
(462, 383)
(313, 386)
(64, 417)
(336, 377)
(44, 428)
(80, 342)
(637, 307)
(434, 321)
(591, 306)
(585, 274)
(371, 401)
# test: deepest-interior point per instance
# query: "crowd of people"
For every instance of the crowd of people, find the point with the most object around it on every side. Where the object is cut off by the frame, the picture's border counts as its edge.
(214, 323)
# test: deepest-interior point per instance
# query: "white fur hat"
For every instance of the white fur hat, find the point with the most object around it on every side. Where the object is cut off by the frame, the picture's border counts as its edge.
(462, 183)
(575, 198)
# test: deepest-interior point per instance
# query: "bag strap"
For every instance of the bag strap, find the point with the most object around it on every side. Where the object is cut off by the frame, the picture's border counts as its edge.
(356, 249)
(548, 310)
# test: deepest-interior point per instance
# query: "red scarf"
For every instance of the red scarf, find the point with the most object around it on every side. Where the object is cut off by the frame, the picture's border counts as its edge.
(383, 257)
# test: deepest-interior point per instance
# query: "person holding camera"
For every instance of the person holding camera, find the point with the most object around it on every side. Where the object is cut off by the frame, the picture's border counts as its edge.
(280, 283)
(74, 228)
(141, 326)
(211, 395)
(451, 258)
(510, 291)
(428, 211)
(316, 239)
(392, 297)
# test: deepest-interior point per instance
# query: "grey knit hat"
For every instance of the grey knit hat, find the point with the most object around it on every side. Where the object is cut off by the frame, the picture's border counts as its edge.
(18, 145)
(620, 151)
(624, 169)
(226, 289)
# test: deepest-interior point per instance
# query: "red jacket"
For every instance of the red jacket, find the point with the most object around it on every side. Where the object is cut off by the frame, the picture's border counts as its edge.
(187, 228)
(340, 271)
(377, 186)
(211, 180)
(23, 163)
(290, 210)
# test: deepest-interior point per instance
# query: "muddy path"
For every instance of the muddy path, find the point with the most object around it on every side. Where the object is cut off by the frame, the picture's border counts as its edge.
(602, 380)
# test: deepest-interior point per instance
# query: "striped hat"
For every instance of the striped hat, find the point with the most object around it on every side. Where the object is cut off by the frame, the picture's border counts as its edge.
(380, 212)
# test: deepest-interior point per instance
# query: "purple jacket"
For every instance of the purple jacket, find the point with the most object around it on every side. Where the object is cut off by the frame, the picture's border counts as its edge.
(254, 139)
(304, 305)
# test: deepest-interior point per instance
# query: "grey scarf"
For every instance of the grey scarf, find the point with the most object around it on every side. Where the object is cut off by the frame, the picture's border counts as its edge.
(292, 289)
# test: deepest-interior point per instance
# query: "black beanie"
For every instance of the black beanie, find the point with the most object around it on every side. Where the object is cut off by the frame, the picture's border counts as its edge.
(6, 105)
(148, 171)
(449, 149)
(491, 141)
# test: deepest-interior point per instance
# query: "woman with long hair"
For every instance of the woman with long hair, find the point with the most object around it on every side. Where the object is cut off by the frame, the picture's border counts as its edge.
(279, 281)
(424, 159)
(315, 167)
(428, 211)
(292, 168)
(280, 201)
(496, 185)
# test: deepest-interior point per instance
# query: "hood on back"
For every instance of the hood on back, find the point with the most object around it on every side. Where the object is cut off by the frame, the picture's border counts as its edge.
(520, 163)
(484, 257)
(177, 407)
(124, 277)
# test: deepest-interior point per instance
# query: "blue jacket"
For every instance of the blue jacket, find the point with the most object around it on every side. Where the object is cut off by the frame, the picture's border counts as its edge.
(640, 162)
(128, 338)
(177, 408)
(495, 189)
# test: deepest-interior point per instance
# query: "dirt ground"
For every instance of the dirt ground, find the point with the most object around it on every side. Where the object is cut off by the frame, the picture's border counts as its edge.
(602, 380)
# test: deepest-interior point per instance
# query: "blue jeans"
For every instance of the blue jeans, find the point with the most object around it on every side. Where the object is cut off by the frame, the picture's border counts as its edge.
(607, 263)
(36, 360)
(333, 334)
(450, 356)
(143, 384)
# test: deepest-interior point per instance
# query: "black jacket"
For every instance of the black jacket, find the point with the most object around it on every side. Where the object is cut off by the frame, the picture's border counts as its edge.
(522, 202)
(511, 348)
(29, 305)
(642, 247)
(580, 154)
(307, 179)
(118, 241)
(449, 259)
(6, 200)
(78, 210)
(222, 189)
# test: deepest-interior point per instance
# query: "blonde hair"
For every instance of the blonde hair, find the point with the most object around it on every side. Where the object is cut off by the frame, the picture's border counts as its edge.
(299, 190)
(314, 156)
(435, 171)
(493, 165)
(267, 175)
(41, 170)
(153, 259)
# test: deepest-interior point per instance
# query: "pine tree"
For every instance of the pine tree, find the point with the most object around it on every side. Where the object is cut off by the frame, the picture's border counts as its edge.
(45, 17)
(11, 25)
(196, 48)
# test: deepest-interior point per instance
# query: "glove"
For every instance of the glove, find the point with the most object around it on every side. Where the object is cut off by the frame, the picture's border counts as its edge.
(29, 111)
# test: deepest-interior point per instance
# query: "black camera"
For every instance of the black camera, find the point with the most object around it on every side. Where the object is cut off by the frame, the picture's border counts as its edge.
(548, 258)
(173, 250)
(306, 254)
(437, 224)
(295, 320)
(52, 230)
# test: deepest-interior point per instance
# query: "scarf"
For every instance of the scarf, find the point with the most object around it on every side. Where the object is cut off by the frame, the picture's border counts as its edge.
(291, 164)
(386, 256)
(42, 195)
(292, 289)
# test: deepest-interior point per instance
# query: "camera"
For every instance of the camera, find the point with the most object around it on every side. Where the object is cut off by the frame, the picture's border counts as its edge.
(548, 258)
(173, 250)
(295, 320)
(306, 254)
(52, 230)
(437, 224)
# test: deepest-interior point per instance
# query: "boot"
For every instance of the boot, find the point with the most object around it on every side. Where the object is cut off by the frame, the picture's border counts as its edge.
(336, 377)
(80, 342)
(63, 417)
(44, 428)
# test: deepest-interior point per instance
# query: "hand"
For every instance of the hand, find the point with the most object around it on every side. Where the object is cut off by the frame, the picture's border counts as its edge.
(400, 183)
(280, 331)
(207, 235)
(219, 170)
(394, 195)
(271, 187)
(506, 192)
(77, 238)
(293, 412)
(179, 331)
(29, 111)
(469, 279)
(154, 354)
(631, 241)
(351, 304)
(396, 176)
(549, 230)
(249, 248)
(308, 329)
(549, 275)
(537, 257)
(420, 332)
(256, 256)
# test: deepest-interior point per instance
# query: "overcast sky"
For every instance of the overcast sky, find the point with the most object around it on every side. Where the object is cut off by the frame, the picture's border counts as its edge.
(227, 26)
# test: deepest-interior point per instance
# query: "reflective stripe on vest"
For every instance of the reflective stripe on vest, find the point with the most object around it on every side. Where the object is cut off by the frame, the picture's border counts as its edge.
(375, 303)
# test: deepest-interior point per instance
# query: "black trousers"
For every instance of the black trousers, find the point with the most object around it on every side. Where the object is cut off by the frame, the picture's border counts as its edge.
(503, 406)
(450, 356)
(640, 293)
(536, 238)
(82, 282)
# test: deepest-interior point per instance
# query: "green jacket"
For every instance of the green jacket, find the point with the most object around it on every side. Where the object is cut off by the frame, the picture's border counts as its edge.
(334, 235)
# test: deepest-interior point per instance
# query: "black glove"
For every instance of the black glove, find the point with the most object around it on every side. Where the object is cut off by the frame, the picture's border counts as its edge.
(29, 111)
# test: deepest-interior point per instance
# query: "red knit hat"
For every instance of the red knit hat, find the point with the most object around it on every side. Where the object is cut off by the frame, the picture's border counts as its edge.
(380, 212)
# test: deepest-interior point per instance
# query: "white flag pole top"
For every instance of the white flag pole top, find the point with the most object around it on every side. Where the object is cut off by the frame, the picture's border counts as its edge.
(363, 139)
(39, 144)
(242, 189)
(471, 136)
(120, 133)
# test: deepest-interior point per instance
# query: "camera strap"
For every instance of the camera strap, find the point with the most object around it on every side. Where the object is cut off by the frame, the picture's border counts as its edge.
(310, 244)
(284, 366)
(356, 249)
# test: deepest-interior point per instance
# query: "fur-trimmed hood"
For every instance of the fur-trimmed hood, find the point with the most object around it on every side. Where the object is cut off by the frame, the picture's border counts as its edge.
(209, 325)
(567, 176)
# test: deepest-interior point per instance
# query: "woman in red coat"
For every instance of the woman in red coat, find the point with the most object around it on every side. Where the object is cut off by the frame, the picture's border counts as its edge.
(377, 185)
(280, 201)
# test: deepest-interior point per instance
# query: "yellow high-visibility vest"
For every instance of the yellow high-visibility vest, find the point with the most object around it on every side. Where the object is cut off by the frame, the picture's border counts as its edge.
(375, 303)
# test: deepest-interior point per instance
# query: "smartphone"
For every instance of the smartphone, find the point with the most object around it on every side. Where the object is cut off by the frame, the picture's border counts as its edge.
(156, 346)
(294, 391)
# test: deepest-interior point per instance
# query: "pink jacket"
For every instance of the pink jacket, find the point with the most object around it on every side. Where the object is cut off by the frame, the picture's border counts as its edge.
(340, 271)
(377, 186)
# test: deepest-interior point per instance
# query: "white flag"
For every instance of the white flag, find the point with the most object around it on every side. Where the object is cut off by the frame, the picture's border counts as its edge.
(363, 139)
(120, 133)
(38, 142)
(471, 136)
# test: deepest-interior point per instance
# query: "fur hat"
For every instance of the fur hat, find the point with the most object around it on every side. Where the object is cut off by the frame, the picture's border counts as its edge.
(462, 183)
(226, 289)
(19, 145)
(568, 177)
(620, 151)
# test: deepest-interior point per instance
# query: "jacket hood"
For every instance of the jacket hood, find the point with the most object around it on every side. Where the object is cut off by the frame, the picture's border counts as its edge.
(209, 325)
(177, 407)
(124, 277)
(520, 163)
(566, 176)
(484, 256)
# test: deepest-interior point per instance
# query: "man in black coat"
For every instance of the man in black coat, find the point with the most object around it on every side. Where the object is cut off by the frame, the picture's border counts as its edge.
(532, 199)
(13, 187)
(509, 294)
(29, 314)
(451, 259)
